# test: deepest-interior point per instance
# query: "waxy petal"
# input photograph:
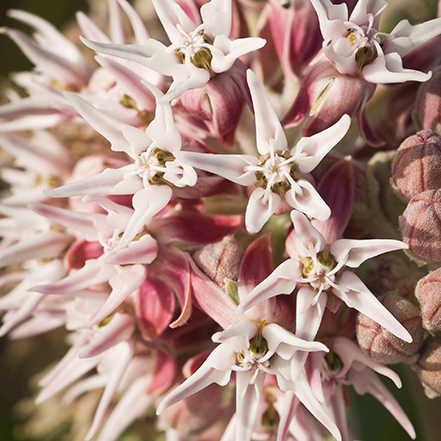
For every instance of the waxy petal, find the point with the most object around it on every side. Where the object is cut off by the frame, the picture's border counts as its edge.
(124, 283)
(270, 136)
(317, 146)
(43, 245)
(232, 167)
(308, 201)
(354, 252)
(356, 295)
(262, 204)
(308, 240)
(146, 202)
(144, 250)
(368, 382)
(282, 280)
(215, 369)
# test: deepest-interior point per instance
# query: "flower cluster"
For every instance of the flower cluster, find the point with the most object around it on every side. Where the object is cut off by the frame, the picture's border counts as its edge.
(197, 214)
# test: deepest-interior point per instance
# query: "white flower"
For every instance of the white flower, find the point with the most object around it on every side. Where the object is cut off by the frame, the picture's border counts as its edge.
(252, 352)
(318, 269)
(355, 46)
(195, 53)
(278, 174)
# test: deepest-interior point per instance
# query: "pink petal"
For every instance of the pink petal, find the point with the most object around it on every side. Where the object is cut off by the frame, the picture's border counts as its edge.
(154, 306)
(143, 250)
(308, 241)
(43, 245)
(123, 284)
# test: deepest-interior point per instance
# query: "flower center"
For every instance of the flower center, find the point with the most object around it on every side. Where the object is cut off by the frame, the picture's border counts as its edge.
(318, 271)
(365, 42)
(277, 172)
(251, 358)
(194, 47)
(150, 165)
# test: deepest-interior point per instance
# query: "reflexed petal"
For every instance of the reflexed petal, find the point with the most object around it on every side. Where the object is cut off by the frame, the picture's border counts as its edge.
(357, 296)
(122, 354)
(262, 204)
(215, 369)
(354, 252)
(368, 382)
(282, 280)
(269, 132)
(43, 245)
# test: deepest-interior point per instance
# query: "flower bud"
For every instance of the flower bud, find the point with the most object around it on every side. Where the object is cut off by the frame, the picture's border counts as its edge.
(383, 346)
(421, 226)
(428, 367)
(428, 293)
(417, 164)
(217, 106)
(428, 102)
(220, 261)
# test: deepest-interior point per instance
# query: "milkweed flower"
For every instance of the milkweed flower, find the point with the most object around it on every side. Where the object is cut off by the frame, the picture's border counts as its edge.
(355, 46)
(278, 178)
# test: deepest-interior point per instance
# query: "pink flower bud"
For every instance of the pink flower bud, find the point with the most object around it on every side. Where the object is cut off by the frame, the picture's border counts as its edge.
(380, 344)
(217, 106)
(220, 261)
(428, 367)
(325, 95)
(417, 164)
(421, 226)
(428, 292)
(428, 102)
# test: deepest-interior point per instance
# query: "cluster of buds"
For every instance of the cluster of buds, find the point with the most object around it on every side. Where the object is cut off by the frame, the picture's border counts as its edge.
(165, 207)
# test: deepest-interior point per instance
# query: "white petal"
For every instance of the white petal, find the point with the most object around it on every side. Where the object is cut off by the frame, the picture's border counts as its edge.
(357, 296)
(222, 357)
(282, 280)
(319, 145)
(231, 167)
(269, 131)
(263, 203)
(308, 241)
(354, 252)
(216, 16)
(146, 202)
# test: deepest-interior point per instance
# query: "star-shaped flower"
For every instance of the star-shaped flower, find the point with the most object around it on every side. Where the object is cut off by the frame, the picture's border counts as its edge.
(355, 46)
